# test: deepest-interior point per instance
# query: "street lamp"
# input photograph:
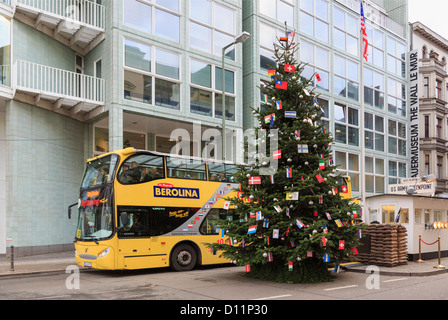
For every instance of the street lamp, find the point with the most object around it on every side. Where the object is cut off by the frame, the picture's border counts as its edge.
(240, 39)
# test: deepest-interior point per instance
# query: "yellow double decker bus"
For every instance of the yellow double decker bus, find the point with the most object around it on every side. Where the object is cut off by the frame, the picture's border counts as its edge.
(139, 209)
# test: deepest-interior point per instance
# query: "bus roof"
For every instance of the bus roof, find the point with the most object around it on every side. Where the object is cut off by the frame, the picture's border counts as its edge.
(130, 151)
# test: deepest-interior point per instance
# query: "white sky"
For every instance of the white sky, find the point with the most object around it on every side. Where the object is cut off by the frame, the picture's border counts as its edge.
(432, 13)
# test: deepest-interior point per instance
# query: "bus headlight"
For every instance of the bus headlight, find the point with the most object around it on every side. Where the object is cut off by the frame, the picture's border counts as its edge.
(103, 253)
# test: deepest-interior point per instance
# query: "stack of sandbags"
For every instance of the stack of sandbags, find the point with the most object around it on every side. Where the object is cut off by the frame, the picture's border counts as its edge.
(402, 245)
(388, 245)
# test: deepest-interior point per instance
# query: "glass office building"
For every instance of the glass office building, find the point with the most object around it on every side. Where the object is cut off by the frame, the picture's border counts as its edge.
(80, 79)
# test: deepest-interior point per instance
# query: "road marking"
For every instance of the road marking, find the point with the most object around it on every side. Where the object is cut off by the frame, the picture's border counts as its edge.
(393, 280)
(274, 297)
(340, 288)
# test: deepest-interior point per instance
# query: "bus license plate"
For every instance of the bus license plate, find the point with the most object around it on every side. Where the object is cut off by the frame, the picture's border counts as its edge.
(88, 264)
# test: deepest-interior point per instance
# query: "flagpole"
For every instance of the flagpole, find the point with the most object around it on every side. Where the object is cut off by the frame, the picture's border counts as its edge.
(363, 152)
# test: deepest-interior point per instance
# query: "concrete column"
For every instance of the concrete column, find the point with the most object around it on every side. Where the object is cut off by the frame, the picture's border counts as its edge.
(115, 128)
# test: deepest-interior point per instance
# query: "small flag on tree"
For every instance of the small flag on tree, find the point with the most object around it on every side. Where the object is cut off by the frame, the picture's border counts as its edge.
(319, 178)
(341, 244)
(290, 114)
(254, 180)
(278, 208)
(321, 164)
(268, 118)
(290, 68)
(279, 105)
(277, 154)
(289, 173)
(290, 266)
(272, 179)
(266, 223)
(302, 148)
(281, 85)
(252, 230)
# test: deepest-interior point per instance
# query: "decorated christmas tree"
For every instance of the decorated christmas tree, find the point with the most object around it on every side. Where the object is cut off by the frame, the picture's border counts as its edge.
(291, 225)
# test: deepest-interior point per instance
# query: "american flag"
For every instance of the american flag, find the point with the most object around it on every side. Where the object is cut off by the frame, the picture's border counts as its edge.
(364, 33)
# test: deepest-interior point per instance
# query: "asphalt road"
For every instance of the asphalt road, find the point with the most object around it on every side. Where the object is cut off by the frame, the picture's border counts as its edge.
(195, 288)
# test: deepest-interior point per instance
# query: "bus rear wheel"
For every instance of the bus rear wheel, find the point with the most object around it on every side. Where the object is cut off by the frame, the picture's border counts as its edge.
(183, 258)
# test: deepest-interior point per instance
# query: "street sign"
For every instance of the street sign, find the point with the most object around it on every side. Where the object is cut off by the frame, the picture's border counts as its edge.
(421, 188)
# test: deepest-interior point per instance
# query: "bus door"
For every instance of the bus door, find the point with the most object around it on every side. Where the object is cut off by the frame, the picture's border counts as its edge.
(136, 248)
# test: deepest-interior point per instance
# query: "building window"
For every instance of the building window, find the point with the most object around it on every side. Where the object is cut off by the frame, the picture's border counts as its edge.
(425, 87)
(373, 88)
(396, 97)
(388, 213)
(316, 60)
(345, 32)
(440, 174)
(314, 19)
(161, 19)
(151, 75)
(439, 131)
(375, 50)
(348, 165)
(346, 125)
(206, 90)
(397, 170)
(438, 89)
(374, 132)
(427, 164)
(426, 126)
(396, 57)
(374, 175)
(278, 10)
(346, 81)
(268, 36)
(212, 27)
(397, 138)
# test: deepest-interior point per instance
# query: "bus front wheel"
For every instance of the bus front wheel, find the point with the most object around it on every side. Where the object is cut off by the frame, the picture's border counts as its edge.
(183, 258)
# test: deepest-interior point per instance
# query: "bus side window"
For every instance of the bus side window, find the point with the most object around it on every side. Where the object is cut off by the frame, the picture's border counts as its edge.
(141, 168)
(211, 222)
(185, 168)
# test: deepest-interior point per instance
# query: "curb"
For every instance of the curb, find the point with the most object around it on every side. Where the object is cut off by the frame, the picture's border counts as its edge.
(399, 273)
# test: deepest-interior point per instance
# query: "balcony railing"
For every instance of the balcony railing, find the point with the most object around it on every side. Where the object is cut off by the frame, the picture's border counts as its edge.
(78, 24)
(84, 12)
(65, 87)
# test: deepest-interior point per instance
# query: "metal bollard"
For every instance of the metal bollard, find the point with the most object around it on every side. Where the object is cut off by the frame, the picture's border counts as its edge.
(420, 250)
(439, 266)
(12, 258)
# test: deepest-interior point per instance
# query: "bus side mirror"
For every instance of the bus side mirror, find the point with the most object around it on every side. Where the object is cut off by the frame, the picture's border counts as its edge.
(70, 210)
(124, 219)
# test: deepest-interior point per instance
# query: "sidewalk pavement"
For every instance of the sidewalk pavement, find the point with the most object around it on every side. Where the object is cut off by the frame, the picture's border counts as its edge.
(37, 264)
(58, 262)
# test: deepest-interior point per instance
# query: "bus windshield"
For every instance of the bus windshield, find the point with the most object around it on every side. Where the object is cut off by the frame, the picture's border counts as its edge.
(99, 171)
(95, 215)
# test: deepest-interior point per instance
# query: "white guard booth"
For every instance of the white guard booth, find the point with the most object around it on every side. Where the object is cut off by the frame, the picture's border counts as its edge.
(422, 215)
